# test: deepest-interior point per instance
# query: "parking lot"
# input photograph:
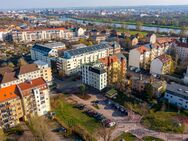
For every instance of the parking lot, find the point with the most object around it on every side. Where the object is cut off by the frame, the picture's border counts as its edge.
(111, 112)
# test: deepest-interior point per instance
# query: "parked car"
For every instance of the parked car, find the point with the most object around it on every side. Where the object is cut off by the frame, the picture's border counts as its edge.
(60, 130)
(132, 68)
(137, 70)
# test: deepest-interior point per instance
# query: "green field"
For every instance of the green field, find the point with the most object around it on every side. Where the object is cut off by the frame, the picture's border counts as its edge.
(126, 136)
(72, 117)
(163, 121)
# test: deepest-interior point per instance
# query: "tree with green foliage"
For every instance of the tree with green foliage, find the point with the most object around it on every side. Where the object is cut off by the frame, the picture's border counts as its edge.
(139, 26)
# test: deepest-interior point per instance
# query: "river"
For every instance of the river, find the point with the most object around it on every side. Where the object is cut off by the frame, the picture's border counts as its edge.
(133, 27)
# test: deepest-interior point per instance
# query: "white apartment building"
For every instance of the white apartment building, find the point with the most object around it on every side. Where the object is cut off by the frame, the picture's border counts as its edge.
(177, 94)
(94, 76)
(46, 52)
(41, 34)
(73, 59)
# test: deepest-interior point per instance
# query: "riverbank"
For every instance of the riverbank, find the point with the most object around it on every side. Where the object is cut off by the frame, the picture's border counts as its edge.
(126, 23)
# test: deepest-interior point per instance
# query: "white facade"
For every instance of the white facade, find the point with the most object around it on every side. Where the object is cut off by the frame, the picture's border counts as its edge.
(72, 63)
(156, 66)
(80, 32)
(181, 51)
(42, 101)
(94, 76)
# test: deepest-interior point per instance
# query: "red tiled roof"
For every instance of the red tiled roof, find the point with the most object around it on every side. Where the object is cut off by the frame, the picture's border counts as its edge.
(45, 29)
(106, 60)
(8, 93)
(32, 84)
(162, 40)
(142, 49)
(165, 58)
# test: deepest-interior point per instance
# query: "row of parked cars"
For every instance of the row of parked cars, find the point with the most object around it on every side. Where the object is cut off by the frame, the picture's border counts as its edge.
(97, 116)
(118, 107)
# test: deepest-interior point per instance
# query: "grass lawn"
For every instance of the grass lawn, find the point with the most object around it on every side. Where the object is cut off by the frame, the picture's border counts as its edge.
(127, 137)
(148, 138)
(163, 121)
(72, 117)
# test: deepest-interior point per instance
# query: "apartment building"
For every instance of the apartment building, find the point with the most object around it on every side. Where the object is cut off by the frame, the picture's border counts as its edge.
(141, 56)
(41, 34)
(115, 67)
(72, 60)
(162, 65)
(35, 96)
(19, 102)
(94, 76)
(24, 73)
(177, 95)
(11, 110)
(181, 48)
(47, 51)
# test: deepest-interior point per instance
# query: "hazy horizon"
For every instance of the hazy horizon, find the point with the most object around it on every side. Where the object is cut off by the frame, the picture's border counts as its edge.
(24, 4)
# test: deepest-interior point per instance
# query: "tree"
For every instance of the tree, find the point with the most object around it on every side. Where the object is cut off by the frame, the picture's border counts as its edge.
(2, 135)
(82, 89)
(105, 133)
(10, 64)
(139, 26)
(21, 62)
(183, 31)
(40, 129)
(149, 92)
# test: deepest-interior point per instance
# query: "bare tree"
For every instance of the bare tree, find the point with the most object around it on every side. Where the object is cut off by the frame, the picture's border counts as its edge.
(40, 129)
(105, 133)
(2, 136)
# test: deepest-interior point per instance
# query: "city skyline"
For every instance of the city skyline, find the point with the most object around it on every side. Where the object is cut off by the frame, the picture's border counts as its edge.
(83, 3)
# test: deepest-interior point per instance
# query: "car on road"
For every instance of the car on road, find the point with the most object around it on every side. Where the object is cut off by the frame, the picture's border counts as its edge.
(137, 70)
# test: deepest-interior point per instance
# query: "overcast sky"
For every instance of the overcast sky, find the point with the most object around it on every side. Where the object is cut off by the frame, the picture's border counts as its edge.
(84, 3)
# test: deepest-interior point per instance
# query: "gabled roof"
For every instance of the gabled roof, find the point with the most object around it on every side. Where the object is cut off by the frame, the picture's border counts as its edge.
(142, 49)
(8, 93)
(8, 77)
(165, 58)
(32, 84)
(28, 68)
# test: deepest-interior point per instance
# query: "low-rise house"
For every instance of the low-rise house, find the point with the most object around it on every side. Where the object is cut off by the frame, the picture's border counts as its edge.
(162, 65)
(94, 76)
(177, 95)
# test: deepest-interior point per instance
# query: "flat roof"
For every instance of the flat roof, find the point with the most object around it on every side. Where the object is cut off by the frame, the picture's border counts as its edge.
(79, 51)
(52, 44)
(178, 90)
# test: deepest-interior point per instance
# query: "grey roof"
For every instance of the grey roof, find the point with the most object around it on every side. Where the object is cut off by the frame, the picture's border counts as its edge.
(97, 70)
(178, 90)
(53, 44)
(74, 52)
(42, 49)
